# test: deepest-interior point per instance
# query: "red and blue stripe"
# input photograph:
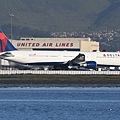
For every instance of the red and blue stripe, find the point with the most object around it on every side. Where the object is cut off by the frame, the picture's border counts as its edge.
(5, 44)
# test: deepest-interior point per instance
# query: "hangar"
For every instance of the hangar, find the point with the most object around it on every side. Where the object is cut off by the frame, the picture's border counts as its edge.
(69, 44)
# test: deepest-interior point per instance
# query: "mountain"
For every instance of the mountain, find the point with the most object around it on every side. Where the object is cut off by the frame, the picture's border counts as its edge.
(32, 17)
(110, 16)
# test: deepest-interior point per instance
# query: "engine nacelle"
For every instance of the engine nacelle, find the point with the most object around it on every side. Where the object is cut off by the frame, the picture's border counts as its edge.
(90, 65)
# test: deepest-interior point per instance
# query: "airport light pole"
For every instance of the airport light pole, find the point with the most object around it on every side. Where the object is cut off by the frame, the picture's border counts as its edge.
(11, 16)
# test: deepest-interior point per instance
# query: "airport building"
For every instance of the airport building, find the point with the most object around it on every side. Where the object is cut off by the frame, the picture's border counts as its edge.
(69, 44)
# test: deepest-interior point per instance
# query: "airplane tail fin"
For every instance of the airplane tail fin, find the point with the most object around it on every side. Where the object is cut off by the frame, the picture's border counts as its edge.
(5, 44)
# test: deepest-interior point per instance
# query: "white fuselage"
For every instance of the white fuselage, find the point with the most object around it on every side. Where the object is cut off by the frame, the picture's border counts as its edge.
(62, 57)
(44, 57)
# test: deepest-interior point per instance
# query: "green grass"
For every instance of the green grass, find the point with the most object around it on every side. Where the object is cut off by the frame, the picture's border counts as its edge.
(59, 79)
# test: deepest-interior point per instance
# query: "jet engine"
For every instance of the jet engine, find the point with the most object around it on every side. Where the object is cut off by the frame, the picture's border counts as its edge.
(90, 65)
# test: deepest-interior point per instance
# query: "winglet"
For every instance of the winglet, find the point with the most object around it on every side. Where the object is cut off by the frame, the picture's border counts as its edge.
(5, 44)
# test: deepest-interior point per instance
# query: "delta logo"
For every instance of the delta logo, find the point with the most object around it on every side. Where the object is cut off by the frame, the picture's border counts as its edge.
(111, 55)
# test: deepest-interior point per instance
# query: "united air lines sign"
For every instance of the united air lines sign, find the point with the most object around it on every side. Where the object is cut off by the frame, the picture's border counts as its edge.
(45, 44)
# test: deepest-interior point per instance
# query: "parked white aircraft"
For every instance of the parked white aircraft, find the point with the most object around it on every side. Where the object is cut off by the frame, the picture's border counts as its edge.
(91, 60)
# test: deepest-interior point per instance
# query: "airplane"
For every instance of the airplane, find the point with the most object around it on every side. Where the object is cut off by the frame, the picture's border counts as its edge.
(90, 60)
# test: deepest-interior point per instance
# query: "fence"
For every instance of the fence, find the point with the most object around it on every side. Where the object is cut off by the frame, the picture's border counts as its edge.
(3, 72)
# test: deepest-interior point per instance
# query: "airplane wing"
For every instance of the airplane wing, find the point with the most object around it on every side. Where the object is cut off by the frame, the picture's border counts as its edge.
(78, 59)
